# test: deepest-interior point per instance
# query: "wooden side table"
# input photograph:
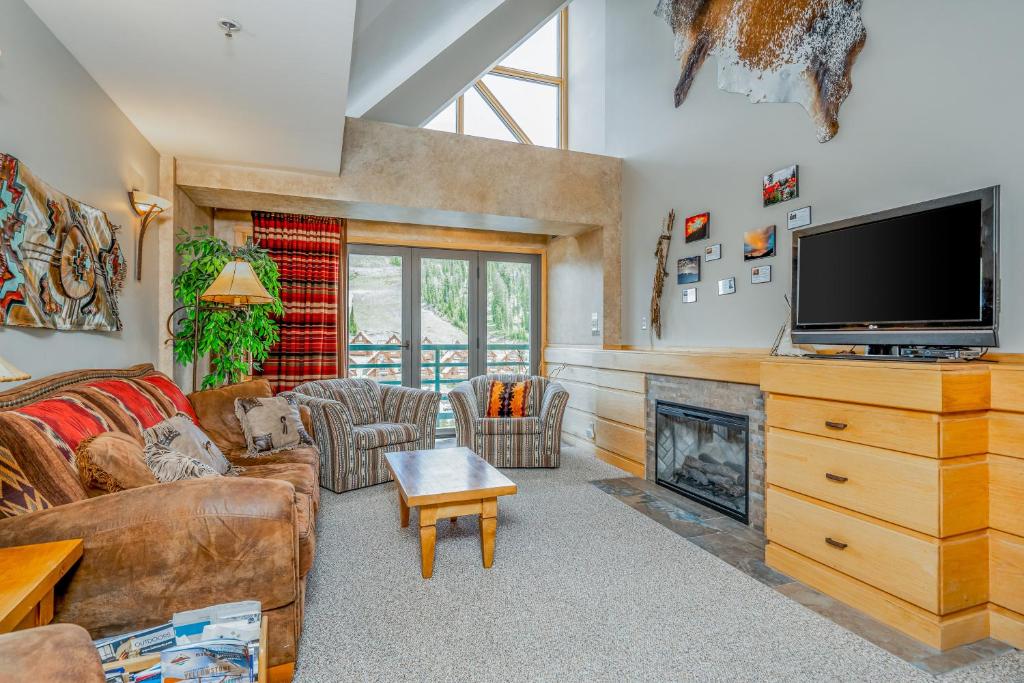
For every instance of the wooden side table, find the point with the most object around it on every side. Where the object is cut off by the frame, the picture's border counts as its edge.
(30, 573)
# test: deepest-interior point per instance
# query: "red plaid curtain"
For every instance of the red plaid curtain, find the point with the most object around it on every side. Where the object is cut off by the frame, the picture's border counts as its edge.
(308, 252)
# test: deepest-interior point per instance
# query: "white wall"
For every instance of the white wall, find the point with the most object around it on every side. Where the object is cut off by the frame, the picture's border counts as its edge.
(936, 109)
(586, 76)
(58, 121)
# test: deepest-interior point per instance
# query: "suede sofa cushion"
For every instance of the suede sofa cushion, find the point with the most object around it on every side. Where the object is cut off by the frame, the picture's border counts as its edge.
(112, 462)
(215, 409)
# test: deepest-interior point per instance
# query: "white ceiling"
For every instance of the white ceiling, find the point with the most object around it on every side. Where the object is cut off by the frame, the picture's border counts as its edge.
(273, 95)
(395, 38)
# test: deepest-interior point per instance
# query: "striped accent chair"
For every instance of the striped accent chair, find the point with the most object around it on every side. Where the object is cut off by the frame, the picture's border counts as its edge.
(530, 441)
(356, 421)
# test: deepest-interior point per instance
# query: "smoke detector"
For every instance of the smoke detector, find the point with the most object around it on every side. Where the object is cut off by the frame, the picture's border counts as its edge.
(229, 26)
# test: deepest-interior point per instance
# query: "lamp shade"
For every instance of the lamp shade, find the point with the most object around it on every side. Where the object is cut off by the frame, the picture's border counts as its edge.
(237, 285)
(9, 373)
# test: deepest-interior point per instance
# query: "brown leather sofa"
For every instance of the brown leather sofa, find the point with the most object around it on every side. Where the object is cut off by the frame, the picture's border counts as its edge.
(164, 548)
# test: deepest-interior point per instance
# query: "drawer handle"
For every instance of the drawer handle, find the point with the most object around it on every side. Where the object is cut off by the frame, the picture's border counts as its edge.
(836, 478)
(835, 544)
(835, 425)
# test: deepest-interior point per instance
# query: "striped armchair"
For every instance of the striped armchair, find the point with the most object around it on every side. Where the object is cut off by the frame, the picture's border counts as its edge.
(357, 421)
(531, 441)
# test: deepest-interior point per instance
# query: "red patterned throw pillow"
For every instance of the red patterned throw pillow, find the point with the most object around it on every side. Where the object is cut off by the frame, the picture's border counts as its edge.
(507, 399)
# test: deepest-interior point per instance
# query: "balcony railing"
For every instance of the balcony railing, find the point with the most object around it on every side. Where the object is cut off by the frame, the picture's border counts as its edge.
(385, 366)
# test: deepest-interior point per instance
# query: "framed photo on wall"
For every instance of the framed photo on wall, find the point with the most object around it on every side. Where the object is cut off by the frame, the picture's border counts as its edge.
(696, 227)
(759, 243)
(781, 185)
(688, 270)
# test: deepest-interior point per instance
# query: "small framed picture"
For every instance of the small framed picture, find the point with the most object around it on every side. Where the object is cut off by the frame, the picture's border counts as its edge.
(760, 275)
(759, 243)
(688, 270)
(727, 286)
(713, 253)
(781, 186)
(696, 227)
(799, 218)
(689, 295)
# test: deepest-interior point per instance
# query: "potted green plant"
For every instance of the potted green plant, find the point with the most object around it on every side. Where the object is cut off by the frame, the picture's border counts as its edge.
(233, 337)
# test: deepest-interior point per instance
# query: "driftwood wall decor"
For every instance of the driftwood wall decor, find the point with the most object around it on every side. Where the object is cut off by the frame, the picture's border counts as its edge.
(771, 50)
(661, 272)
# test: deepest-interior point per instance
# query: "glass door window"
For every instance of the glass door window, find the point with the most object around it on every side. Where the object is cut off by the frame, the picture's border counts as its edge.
(378, 329)
(443, 324)
(432, 318)
(510, 315)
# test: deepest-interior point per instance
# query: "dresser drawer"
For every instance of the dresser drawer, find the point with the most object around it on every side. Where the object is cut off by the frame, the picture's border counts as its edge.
(908, 431)
(940, 576)
(899, 488)
(907, 490)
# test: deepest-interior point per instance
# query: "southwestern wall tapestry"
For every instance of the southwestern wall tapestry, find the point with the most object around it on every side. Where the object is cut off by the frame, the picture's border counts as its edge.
(771, 50)
(60, 264)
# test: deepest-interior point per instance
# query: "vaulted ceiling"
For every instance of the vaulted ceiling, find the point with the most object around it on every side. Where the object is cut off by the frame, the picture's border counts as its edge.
(277, 93)
(274, 94)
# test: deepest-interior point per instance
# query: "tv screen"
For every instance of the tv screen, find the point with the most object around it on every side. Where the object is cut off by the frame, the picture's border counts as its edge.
(924, 268)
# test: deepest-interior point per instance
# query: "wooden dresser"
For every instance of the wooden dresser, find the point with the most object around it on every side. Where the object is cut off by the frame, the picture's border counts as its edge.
(884, 491)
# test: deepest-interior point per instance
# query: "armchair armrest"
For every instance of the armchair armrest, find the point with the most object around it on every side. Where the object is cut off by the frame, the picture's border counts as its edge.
(156, 550)
(463, 401)
(553, 402)
(552, 409)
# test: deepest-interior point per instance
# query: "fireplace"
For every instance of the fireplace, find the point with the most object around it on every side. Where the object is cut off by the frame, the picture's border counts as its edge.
(704, 455)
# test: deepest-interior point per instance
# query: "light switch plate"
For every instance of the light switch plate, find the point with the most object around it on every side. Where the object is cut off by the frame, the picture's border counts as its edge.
(643, 322)
(595, 325)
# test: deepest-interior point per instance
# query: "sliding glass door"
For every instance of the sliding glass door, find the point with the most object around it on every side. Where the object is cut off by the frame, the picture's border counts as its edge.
(432, 318)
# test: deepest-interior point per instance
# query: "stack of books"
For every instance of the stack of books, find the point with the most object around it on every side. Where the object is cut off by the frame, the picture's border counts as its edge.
(217, 643)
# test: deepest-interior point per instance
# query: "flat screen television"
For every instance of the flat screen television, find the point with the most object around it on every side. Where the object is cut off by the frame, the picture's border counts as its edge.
(921, 275)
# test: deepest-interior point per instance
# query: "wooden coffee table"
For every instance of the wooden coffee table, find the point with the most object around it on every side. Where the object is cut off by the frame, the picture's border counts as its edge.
(448, 482)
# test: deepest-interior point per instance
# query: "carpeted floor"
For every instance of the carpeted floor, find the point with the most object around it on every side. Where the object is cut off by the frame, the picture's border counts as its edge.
(583, 588)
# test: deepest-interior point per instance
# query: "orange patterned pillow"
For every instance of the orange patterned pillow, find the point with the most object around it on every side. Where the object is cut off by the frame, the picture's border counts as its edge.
(507, 399)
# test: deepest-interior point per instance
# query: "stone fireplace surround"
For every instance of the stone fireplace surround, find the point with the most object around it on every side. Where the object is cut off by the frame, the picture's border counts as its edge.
(727, 397)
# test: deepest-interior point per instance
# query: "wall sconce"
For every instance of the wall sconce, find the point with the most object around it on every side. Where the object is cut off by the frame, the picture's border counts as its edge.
(149, 206)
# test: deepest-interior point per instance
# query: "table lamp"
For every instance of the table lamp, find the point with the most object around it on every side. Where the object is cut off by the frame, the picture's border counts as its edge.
(9, 373)
(237, 286)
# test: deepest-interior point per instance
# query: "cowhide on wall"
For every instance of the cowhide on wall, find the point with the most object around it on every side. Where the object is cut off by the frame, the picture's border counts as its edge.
(771, 50)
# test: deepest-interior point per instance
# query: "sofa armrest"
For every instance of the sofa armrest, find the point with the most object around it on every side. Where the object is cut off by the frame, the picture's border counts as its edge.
(463, 401)
(165, 548)
(59, 652)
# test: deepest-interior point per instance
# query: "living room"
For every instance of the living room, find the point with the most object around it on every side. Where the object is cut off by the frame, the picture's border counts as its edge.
(290, 298)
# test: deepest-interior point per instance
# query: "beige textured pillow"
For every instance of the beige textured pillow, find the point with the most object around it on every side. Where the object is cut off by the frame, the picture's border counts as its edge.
(180, 433)
(112, 462)
(271, 424)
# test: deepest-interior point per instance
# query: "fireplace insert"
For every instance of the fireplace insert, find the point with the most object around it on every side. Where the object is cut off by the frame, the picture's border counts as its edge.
(704, 455)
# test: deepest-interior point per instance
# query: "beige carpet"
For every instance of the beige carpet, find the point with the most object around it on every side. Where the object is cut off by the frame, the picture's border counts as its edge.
(583, 588)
